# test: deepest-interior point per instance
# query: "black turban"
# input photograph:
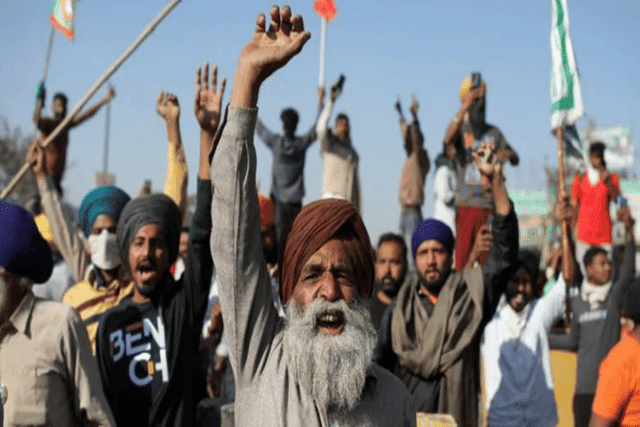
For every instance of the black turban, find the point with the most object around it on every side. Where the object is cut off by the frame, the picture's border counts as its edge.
(156, 209)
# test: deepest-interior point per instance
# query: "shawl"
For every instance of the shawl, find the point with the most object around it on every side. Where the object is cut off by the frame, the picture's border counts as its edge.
(441, 346)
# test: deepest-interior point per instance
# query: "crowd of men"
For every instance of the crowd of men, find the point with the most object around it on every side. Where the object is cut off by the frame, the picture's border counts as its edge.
(318, 328)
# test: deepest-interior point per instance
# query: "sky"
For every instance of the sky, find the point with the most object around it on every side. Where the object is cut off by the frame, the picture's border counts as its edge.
(386, 49)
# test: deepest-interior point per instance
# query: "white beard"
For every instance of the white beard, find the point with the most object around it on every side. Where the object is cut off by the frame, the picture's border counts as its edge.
(331, 368)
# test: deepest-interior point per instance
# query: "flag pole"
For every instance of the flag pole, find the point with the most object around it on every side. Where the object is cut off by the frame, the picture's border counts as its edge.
(105, 158)
(49, 48)
(112, 69)
(567, 253)
(323, 51)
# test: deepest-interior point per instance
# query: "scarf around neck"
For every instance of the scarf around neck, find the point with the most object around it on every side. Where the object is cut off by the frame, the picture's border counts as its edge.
(428, 345)
(593, 294)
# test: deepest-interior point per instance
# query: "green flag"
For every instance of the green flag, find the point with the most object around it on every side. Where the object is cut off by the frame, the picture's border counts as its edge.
(566, 96)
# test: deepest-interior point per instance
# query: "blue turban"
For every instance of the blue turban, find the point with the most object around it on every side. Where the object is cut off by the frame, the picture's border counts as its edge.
(156, 209)
(109, 201)
(23, 251)
(432, 229)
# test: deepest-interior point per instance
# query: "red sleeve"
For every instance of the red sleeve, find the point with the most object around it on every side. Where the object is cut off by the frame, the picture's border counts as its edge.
(575, 188)
(615, 181)
(614, 384)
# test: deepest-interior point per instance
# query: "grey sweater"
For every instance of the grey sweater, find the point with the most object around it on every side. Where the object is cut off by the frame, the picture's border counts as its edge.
(266, 391)
(289, 154)
(595, 331)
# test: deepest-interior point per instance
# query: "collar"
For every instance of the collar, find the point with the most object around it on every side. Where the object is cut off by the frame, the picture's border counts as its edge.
(22, 314)
(97, 276)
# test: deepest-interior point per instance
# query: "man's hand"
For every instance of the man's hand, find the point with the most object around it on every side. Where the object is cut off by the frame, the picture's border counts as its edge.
(208, 100)
(167, 106)
(35, 157)
(564, 209)
(398, 106)
(111, 93)
(482, 244)
(267, 52)
(41, 93)
(320, 94)
(216, 324)
(469, 98)
(486, 161)
(415, 105)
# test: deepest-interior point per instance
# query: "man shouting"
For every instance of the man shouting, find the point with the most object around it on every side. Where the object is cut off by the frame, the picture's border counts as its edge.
(316, 369)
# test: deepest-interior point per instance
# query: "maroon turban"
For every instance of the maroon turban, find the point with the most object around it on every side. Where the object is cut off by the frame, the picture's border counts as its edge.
(315, 225)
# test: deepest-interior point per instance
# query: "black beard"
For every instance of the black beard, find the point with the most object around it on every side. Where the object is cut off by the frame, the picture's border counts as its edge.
(477, 115)
(435, 286)
(390, 288)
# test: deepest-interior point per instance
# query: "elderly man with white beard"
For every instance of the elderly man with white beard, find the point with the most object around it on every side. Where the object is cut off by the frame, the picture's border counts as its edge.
(316, 368)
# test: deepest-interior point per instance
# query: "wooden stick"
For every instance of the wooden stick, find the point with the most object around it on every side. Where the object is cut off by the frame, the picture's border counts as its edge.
(48, 58)
(112, 69)
(567, 250)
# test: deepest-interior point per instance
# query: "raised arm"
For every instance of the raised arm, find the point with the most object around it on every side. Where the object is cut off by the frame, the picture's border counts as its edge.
(482, 244)
(245, 295)
(208, 108)
(311, 135)
(70, 244)
(501, 259)
(177, 179)
(628, 263)
(265, 134)
(91, 111)
(37, 112)
(452, 135)
(322, 124)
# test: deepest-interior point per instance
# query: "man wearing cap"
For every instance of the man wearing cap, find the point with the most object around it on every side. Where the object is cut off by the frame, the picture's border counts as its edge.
(147, 346)
(314, 368)
(473, 196)
(48, 375)
(431, 332)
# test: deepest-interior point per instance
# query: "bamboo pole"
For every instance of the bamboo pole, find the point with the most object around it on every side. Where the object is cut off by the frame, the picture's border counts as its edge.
(567, 253)
(112, 69)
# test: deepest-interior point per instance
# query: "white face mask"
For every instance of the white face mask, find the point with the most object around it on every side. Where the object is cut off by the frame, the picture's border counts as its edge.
(104, 250)
(593, 174)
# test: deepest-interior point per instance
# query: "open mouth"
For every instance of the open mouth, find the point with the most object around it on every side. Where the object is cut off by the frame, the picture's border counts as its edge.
(146, 271)
(330, 322)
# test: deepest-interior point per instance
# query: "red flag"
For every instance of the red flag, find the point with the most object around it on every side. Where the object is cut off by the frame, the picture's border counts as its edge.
(326, 9)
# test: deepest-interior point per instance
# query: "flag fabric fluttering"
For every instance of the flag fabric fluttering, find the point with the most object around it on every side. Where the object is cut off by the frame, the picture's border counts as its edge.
(566, 96)
(573, 147)
(326, 9)
(62, 14)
